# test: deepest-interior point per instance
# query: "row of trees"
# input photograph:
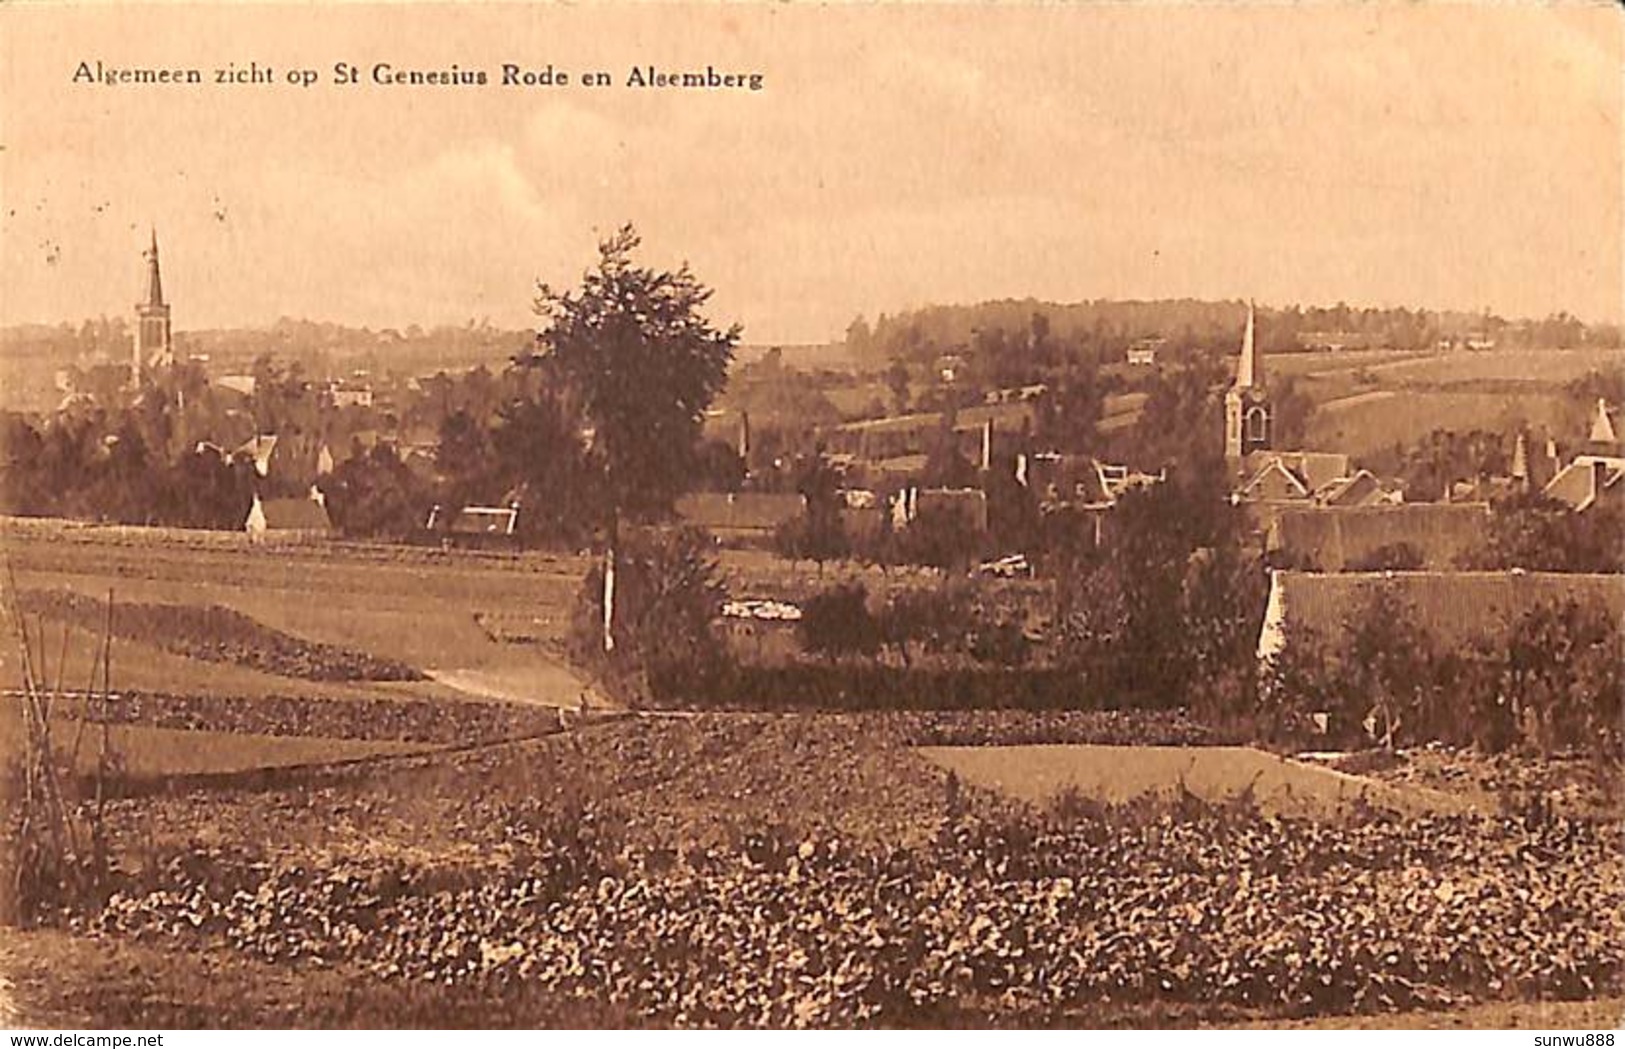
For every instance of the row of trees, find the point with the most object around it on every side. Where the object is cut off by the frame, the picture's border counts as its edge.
(1103, 329)
(599, 420)
(102, 467)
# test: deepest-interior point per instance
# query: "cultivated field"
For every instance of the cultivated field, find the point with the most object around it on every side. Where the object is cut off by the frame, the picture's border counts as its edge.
(1375, 420)
(422, 609)
(1367, 401)
(297, 843)
(811, 871)
(1041, 774)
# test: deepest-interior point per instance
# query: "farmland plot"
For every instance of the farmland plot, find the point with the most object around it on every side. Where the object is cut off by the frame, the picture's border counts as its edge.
(641, 865)
(1117, 774)
(1376, 420)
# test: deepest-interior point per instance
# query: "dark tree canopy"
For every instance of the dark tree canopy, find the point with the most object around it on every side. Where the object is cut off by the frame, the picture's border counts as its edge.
(645, 363)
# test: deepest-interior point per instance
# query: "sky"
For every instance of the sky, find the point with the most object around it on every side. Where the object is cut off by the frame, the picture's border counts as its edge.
(1462, 156)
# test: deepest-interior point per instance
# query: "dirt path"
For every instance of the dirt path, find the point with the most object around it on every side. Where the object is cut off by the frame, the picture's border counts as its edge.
(549, 685)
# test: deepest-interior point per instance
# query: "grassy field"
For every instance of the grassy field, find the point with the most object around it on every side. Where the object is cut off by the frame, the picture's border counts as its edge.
(1375, 420)
(422, 614)
(1366, 401)
(272, 716)
(1039, 774)
(1393, 367)
(1547, 367)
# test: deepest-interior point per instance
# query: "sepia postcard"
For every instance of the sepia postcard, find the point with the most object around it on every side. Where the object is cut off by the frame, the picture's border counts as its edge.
(843, 516)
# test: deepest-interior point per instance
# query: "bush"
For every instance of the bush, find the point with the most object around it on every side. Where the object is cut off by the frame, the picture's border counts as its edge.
(1002, 644)
(933, 620)
(837, 623)
(667, 598)
(1549, 681)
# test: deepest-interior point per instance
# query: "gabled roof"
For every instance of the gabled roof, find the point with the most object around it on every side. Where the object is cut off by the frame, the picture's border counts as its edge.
(1363, 489)
(1274, 481)
(1587, 479)
(258, 449)
(1312, 470)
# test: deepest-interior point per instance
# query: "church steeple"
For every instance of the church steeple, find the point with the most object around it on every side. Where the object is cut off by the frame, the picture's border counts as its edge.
(1249, 370)
(155, 283)
(153, 344)
(1248, 422)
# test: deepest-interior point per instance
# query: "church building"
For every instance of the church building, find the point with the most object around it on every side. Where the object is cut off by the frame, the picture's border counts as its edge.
(1265, 473)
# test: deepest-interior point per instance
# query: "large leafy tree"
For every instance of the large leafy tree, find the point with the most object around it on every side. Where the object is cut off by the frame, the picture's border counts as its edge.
(645, 363)
(539, 460)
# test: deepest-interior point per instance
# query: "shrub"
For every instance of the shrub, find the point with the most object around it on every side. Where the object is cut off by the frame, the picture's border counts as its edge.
(667, 597)
(837, 623)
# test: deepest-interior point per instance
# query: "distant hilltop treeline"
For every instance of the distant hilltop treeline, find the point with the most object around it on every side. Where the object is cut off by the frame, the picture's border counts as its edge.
(323, 346)
(1113, 325)
(918, 334)
(318, 345)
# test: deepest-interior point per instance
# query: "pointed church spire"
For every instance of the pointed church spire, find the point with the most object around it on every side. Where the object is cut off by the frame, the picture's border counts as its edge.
(1246, 404)
(153, 345)
(1520, 459)
(1249, 370)
(155, 284)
